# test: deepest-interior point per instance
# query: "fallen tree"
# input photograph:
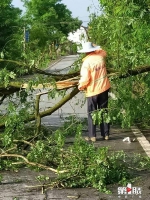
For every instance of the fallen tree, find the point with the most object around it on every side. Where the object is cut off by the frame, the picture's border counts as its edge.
(63, 81)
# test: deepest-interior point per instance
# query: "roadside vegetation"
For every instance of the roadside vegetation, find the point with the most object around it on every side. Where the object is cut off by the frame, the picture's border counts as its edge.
(123, 30)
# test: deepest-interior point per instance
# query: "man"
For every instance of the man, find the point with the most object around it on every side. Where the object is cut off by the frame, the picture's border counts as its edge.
(96, 84)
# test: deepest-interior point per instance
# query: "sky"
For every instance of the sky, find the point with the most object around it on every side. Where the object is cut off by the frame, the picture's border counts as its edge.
(77, 7)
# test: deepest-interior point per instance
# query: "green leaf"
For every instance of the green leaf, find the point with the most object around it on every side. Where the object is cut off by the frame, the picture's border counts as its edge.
(2, 55)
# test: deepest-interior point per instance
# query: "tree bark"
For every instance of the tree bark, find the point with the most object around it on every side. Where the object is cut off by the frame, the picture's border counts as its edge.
(37, 114)
(16, 86)
(135, 72)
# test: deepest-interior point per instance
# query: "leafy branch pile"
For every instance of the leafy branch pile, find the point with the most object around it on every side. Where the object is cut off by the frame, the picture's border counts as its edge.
(74, 162)
(122, 29)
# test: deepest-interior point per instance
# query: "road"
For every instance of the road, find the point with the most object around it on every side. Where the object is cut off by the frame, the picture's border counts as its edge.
(72, 107)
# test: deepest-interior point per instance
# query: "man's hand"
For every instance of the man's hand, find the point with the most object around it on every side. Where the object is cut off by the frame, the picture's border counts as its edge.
(80, 87)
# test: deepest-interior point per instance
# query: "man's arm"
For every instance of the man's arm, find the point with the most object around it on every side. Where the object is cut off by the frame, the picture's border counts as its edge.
(85, 77)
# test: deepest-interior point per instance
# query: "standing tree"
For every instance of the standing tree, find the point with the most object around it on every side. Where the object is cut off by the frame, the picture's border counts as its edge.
(10, 24)
(123, 30)
(49, 21)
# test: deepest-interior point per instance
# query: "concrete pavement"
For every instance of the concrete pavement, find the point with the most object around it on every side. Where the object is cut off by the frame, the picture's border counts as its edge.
(76, 105)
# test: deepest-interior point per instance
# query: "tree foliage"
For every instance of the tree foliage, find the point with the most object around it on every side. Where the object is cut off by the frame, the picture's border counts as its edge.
(48, 23)
(50, 20)
(123, 30)
(10, 22)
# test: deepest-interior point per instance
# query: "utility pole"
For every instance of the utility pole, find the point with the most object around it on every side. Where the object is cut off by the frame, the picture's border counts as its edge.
(24, 39)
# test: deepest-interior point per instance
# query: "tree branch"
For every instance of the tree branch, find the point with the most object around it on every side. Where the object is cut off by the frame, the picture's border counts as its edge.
(2, 99)
(32, 163)
(54, 108)
(135, 72)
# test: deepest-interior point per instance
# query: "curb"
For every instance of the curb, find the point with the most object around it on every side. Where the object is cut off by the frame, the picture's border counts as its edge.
(141, 139)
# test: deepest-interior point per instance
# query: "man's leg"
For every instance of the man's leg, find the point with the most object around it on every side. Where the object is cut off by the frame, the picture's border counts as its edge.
(91, 106)
(103, 103)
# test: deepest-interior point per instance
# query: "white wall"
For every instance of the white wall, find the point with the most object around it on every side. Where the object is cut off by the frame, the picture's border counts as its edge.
(79, 36)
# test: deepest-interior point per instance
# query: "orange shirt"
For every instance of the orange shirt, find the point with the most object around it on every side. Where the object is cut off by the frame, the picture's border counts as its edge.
(93, 73)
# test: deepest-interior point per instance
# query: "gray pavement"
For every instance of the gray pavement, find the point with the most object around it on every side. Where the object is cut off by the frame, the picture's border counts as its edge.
(76, 105)
(63, 64)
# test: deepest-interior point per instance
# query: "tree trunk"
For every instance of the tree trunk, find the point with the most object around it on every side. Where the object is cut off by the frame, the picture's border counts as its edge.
(50, 110)
(37, 114)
